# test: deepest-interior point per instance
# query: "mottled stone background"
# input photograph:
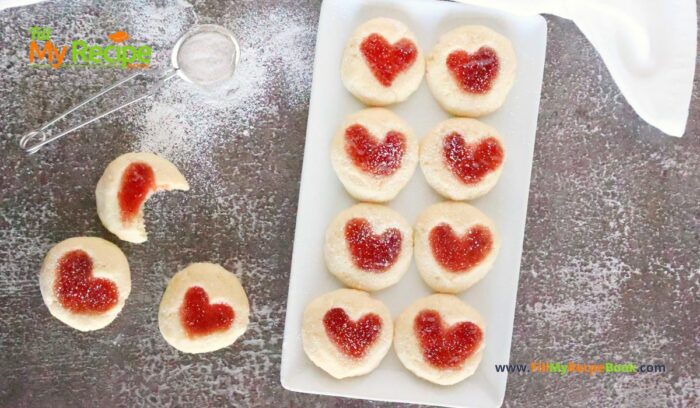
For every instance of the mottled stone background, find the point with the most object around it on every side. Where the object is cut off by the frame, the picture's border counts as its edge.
(610, 269)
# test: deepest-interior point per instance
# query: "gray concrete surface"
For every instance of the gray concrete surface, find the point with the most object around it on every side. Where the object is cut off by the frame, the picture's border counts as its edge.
(610, 267)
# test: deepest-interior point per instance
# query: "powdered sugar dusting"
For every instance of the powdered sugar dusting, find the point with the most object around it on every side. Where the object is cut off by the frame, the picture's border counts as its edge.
(589, 295)
(184, 124)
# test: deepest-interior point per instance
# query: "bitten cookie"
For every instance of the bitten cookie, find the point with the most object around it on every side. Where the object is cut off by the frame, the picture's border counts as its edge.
(369, 246)
(455, 246)
(374, 153)
(346, 332)
(462, 158)
(441, 339)
(84, 282)
(382, 63)
(471, 70)
(124, 187)
(204, 308)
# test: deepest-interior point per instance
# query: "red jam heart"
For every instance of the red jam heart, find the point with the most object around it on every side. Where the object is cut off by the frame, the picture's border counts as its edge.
(386, 60)
(371, 252)
(475, 72)
(200, 318)
(471, 162)
(138, 181)
(445, 347)
(459, 254)
(372, 156)
(77, 290)
(352, 338)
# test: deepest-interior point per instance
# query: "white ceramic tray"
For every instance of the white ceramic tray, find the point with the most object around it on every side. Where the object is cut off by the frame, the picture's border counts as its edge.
(322, 197)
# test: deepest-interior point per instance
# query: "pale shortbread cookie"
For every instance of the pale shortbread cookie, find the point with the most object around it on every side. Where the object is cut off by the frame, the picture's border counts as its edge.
(167, 177)
(440, 173)
(462, 218)
(448, 91)
(452, 311)
(385, 182)
(221, 287)
(386, 226)
(108, 263)
(396, 84)
(354, 306)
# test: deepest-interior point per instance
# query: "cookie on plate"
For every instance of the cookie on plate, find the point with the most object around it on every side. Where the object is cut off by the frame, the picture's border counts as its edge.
(369, 246)
(204, 308)
(346, 332)
(85, 281)
(374, 153)
(462, 158)
(455, 246)
(440, 339)
(471, 70)
(382, 63)
(124, 187)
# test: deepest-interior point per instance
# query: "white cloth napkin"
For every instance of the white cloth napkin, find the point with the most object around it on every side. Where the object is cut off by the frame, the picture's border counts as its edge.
(649, 47)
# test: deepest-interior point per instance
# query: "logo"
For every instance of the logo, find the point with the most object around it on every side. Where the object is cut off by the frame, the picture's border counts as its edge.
(81, 54)
(572, 367)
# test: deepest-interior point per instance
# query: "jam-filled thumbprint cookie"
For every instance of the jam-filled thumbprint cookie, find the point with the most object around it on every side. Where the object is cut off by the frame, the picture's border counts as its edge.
(346, 332)
(126, 184)
(455, 246)
(471, 70)
(440, 339)
(382, 63)
(369, 246)
(374, 153)
(85, 281)
(204, 308)
(462, 158)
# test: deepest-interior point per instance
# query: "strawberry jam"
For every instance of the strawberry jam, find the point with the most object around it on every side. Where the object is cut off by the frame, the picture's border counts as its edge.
(388, 60)
(475, 72)
(138, 181)
(352, 338)
(77, 290)
(371, 252)
(200, 318)
(372, 156)
(445, 347)
(459, 254)
(471, 162)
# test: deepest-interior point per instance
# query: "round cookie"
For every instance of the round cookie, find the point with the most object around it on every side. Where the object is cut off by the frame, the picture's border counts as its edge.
(471, 70)
(124, 187)
(455, 246)
(204, 308)
(346, 332)
(440, 339)
(382, 63)
(368, 246)
(84, 282)
(374, 153)
(462, 159)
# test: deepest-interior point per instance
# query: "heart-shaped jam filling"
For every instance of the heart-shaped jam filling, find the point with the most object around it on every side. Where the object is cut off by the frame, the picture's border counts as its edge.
(371, 155)
(474, 72)
(459, 254)
(200, 318)
(138, 181)
(352, 338)
(471, 162)
(77, 290)
(371, 252)
(445, 347)
(388, 60)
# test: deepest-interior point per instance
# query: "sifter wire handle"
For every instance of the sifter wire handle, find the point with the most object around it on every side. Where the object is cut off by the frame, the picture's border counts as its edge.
(36, 139)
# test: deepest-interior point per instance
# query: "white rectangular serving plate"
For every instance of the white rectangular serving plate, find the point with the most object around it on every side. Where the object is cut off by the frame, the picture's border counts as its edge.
(322, 196)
